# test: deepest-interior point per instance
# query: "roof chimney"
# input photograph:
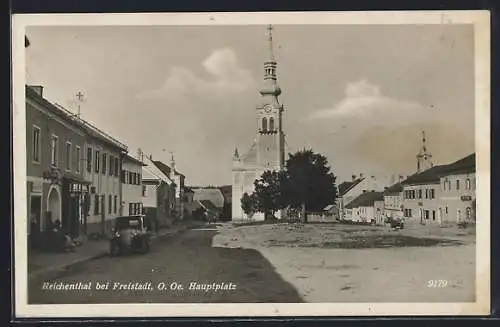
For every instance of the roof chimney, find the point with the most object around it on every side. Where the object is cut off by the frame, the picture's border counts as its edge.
(353, 177)
(38, 89)
(150, 156)
(361, 175)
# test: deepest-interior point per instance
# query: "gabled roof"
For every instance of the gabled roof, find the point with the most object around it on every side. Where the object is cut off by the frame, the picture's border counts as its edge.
(394, 189)
(366, 199)
(150, 171)
(347, 186)
(165, 168)
(432, 175)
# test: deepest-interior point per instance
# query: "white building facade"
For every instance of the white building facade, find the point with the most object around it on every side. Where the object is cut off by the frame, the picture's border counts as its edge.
(132, 188)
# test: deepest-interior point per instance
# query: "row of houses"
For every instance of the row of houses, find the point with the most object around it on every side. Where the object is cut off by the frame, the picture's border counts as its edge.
(84, 178)
(442, 194)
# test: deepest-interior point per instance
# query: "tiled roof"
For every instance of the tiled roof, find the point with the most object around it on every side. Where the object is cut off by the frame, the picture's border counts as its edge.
(394, 189)
(164, 168)
(464, 165)
(366, 199)
(347, 186)
(432, 175)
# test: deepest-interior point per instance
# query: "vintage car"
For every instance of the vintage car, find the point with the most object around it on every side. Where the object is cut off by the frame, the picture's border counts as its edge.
(130, 234)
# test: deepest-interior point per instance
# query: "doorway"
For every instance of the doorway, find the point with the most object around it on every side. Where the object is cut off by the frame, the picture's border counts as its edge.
(54, 205)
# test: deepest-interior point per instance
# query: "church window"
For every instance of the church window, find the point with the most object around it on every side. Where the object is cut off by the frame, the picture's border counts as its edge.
(264, 124)
(271, 124)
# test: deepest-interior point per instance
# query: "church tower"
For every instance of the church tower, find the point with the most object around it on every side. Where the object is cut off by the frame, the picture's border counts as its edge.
(267, 151)
(424, 161)
(270, 135)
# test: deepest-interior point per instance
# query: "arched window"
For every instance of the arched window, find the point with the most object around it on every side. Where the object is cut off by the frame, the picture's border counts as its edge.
(264, 124)
(271, 124)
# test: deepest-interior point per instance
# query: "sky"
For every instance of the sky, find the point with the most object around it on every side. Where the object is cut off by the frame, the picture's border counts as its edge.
(359, 94)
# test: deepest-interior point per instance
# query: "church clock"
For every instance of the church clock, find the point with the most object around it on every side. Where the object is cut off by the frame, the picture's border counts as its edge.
(267, 108)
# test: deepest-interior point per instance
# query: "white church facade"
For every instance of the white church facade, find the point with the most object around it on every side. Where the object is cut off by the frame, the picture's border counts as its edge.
(267, 151)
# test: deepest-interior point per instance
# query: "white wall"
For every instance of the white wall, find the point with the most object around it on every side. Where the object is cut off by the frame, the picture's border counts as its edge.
(149, 200)
(131, 193)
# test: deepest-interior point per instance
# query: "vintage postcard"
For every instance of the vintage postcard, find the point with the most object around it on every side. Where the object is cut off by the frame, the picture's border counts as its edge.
(252, 164)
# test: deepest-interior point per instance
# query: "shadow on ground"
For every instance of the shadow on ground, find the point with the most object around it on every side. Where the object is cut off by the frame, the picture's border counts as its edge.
(183, 259)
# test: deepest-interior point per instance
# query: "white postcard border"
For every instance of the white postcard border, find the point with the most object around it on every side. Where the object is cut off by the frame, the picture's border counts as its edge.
(481, 21)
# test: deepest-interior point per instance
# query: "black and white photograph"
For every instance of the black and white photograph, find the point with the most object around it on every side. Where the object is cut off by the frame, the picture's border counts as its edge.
(291, 163)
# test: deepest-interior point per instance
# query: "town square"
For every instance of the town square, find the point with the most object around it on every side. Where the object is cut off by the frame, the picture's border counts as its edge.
(250, 164)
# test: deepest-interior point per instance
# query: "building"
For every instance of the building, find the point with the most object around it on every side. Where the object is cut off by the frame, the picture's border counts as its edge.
(103, 166)
(55, 163)
(179, 181)
(350, 190)
(80, 162)
(346, 194)
(393, 201)
(442, 194)
(367, 207)
(267, 152)
(421, 193)
(458, 192)
(158, 194)
(132, 188)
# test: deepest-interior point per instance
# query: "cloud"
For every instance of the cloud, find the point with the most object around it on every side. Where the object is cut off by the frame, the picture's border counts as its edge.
(226, 76)
(363, 100)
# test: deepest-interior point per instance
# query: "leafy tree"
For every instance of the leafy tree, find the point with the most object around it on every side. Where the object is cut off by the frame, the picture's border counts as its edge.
(310, 183)
(248, 204)
(270, 192)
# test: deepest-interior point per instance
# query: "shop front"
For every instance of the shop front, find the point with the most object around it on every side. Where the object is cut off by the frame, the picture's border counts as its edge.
(74, 203)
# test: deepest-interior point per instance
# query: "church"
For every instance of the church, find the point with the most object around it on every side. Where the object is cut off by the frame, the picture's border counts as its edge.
(267, 151)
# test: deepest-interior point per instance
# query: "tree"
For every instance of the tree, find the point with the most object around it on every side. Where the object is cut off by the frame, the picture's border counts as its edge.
(310, 183)
(248, 204)
(270, 193)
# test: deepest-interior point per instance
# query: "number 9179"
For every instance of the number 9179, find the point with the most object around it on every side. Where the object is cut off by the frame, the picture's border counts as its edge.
(437, 283)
